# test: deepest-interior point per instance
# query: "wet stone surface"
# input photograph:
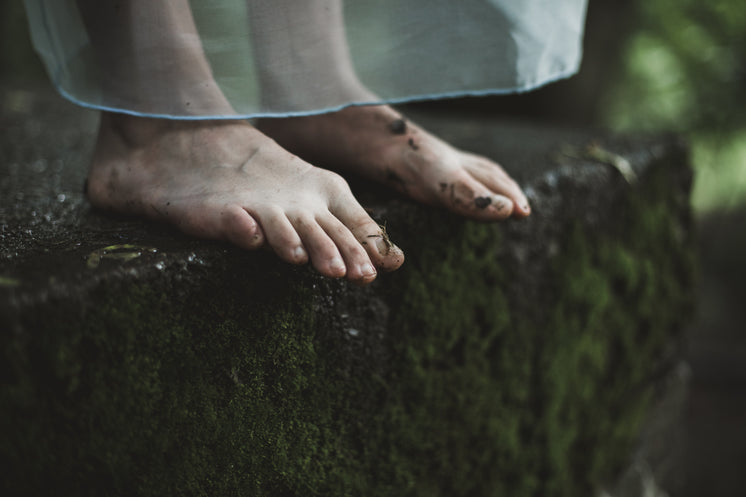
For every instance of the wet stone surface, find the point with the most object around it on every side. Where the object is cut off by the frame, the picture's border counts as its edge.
(64, 266)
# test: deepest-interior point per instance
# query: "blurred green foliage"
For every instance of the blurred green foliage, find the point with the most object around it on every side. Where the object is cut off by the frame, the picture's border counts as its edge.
(685, 71)
(18, 62)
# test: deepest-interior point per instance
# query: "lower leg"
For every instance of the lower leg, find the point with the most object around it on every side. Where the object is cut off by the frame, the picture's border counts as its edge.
(302, 56)
(150, 57)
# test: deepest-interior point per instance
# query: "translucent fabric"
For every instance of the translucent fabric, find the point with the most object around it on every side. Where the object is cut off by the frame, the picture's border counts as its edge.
(252, 58)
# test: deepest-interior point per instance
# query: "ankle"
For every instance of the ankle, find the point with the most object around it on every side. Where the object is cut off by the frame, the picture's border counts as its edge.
(135, 131)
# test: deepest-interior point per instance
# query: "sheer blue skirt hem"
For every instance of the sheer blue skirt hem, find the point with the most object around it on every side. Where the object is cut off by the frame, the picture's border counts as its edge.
(259, 115)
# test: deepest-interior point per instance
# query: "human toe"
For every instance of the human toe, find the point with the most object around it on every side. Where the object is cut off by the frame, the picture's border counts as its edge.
(323, 252)
(360, 269)
(240, 228)
(282, 237)
(494, 177)
(470, 198)
(382, 252)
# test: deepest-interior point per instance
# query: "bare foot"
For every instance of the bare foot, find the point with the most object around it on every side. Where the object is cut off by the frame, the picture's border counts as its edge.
(225, 180)
(377, 143)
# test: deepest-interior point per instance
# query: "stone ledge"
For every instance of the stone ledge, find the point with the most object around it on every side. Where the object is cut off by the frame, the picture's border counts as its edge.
(512, 359)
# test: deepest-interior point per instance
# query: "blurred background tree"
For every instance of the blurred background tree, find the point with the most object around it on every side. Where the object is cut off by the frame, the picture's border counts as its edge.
(685, 71)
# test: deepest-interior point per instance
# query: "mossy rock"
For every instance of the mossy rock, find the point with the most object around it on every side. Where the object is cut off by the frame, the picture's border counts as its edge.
(515, 359)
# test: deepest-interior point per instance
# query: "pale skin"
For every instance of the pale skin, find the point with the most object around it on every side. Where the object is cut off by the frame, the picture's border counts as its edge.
(228, 180)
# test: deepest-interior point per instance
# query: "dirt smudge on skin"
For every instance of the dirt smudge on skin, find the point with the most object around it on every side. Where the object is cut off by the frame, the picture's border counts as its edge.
(482, 202)
(454, 199)
(398, 127)
(159, 211)
(412, 144)
(461, 194)
(443, 187)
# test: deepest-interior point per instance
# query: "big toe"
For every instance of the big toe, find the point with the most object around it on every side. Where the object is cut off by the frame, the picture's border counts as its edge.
(470, 198)
(383, 253)
(494, 177)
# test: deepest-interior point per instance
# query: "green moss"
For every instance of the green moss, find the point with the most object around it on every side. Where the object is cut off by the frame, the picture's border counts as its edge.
(622, 297)
(541, 403)
(229, 388)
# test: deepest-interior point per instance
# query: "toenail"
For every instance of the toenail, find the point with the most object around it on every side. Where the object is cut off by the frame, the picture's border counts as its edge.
(299, 253)
(368, 270)
(337, 264)
(383, 244)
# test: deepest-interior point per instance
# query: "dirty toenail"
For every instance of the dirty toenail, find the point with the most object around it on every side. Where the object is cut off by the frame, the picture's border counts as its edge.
(383, 244)
(337, 264)
(368, 270)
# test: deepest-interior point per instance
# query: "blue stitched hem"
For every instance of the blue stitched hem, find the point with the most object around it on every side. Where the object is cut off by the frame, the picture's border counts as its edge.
(256, 115)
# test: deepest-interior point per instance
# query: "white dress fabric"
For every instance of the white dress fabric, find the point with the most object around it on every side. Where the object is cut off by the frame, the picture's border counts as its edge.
(206, 59)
